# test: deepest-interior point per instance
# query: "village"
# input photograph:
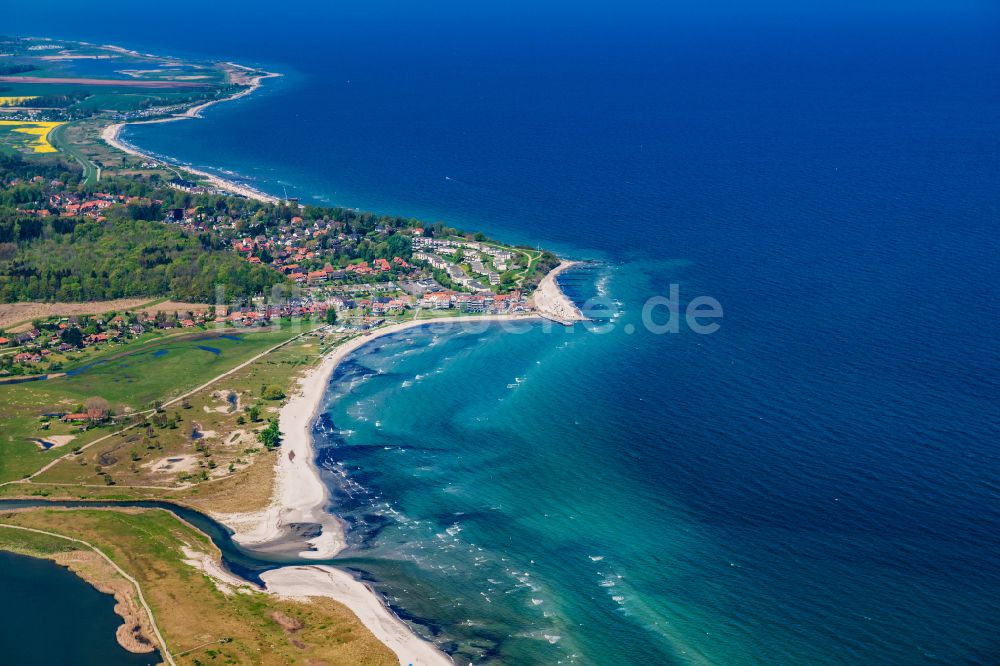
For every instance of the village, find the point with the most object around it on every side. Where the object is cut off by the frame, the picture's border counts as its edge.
(348, 269)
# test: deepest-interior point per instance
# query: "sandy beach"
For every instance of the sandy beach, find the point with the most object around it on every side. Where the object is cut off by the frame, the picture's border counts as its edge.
(111, 135)
(551, 302)
(319, 580)
(302, 497)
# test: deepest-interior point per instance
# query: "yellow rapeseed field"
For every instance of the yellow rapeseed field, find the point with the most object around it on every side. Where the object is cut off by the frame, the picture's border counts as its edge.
(35, 129)
(16, 101)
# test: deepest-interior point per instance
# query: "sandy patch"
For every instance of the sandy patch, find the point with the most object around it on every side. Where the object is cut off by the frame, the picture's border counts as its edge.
(224, 581)
(550, 301)
(226, 407)
(55, 440)
(173, 464)
(303, 582)
(235, 439)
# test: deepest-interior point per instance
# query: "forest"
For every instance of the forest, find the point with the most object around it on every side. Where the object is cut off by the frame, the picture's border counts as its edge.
(82, 260)
(129, 253)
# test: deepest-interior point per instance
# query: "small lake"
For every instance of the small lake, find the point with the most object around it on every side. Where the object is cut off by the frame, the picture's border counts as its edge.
(58, 618)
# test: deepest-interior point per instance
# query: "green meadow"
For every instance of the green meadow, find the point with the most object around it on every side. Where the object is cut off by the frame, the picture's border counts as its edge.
(130, 377)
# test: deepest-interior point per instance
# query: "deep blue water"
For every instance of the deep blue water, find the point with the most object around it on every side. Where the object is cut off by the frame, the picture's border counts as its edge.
(41, 600)
(815, 483)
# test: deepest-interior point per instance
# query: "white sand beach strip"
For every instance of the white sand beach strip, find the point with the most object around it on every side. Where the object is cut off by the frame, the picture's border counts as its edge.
(551, 302)
(300, 495)
(323, 581)
(110, 135)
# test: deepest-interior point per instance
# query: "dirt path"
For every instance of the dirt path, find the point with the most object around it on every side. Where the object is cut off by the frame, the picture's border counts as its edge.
(164, 405)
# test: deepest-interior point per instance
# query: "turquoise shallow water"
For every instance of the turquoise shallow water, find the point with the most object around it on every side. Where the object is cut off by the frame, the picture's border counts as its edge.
(512, 494)
(817, 482)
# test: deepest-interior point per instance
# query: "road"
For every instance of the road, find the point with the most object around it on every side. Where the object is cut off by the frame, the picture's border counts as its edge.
(91, 172)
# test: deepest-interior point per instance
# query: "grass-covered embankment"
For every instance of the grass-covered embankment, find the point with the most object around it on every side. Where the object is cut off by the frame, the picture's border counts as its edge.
(202, 620)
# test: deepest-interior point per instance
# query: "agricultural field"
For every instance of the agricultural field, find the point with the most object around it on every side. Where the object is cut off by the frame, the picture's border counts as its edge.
(26, 136)
(14, 317)
(16, 101)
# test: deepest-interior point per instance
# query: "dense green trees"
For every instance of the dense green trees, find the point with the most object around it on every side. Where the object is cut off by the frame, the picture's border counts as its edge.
(132, 253)
(272, 393)
(270, 436)
(123, 258)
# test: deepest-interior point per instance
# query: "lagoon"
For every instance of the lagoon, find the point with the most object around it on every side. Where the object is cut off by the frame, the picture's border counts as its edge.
(50, 617)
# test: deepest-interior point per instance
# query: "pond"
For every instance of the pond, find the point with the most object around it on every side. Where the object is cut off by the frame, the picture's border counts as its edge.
(58, 618)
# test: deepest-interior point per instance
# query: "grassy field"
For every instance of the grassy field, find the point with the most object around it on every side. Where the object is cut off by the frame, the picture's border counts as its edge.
(200, 622)
(212, 459)
(58, 140)
(85, 138)
(128, 376)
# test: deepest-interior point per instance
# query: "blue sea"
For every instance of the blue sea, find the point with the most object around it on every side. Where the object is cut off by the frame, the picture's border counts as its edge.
(816, 482)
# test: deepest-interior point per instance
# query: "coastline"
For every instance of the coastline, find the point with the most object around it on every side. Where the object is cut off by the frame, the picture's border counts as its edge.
(301, 497)
(111, 135)
(302, 582)
(551, 302)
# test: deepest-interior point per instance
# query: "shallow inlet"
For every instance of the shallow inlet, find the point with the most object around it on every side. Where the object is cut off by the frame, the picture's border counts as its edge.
(245, 563)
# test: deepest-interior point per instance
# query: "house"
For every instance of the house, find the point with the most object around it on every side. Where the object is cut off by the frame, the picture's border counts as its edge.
(440, 300)
(361, 268)
(397, 305)
(474, 304)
